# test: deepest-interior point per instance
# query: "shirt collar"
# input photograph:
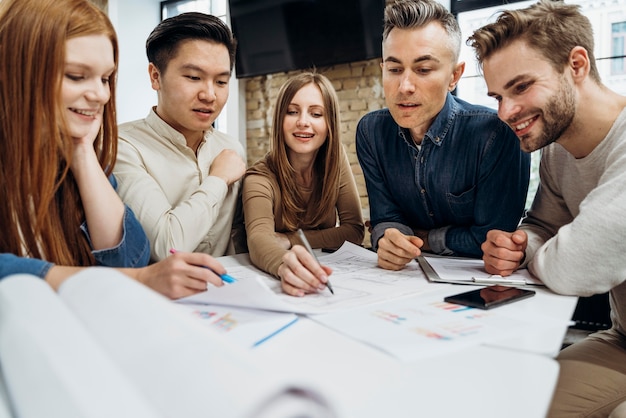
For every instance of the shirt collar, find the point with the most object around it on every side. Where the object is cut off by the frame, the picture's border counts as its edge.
(440, 126)
(165, 130)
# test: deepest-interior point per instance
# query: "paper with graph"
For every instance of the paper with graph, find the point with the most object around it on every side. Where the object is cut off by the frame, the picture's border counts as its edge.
(247, 327)
(356, 279)
(422, 326)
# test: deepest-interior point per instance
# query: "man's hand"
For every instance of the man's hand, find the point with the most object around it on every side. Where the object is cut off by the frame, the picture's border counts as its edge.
(396, 250)
(503, 252)
(228, 166)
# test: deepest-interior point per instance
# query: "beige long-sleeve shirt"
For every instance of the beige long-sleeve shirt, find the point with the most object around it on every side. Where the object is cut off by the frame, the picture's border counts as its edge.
(168, 187)
(576, 225)
(263, 217)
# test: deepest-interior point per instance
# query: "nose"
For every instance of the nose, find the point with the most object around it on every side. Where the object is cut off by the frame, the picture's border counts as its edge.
(303, 120)
(99, 92)
(407, 84)
(508, 109)
(208, 93)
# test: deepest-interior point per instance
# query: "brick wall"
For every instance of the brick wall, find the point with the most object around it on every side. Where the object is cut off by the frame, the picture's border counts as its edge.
(359, 88)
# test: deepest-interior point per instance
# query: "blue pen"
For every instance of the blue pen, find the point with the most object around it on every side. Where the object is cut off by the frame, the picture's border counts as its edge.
(225, 277)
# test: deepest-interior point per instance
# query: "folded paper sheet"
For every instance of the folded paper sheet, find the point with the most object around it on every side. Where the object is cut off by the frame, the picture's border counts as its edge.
(107, 346)
(52, 366)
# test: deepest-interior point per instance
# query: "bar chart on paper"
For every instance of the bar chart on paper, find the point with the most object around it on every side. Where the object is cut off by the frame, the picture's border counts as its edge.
(421, 326)
(247, 327)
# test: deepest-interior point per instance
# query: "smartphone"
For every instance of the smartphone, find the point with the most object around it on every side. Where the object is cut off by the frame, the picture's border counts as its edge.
(490, 296)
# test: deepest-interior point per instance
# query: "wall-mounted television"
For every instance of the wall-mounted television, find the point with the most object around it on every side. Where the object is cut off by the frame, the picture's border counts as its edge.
(283, 35)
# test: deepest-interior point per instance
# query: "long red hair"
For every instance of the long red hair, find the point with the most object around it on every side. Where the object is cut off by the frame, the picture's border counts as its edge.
(40, 207)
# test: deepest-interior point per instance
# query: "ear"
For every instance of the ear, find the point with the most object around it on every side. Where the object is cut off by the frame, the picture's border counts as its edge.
(457, 72)
(579, 63)
(155, 76)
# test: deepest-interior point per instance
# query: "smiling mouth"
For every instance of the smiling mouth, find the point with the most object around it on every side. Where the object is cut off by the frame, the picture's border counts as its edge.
(205, 111)
(304, 136)
(523, 125)
(407, 105)
(90, 113)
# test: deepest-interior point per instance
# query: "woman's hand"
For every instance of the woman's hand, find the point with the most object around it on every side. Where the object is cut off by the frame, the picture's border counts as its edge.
(300, 273)
(181, 274)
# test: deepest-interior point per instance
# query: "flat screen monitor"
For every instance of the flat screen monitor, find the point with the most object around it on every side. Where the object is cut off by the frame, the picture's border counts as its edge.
(283, 35)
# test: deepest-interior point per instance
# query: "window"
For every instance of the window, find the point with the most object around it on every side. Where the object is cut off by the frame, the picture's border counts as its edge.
(217, 8)
(173, 7)
(610, 40)
(618, 51)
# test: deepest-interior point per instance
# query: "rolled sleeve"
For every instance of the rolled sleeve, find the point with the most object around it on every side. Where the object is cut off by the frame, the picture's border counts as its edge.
(437, 241)
(12, 264)
(379, 230)
(133, 250)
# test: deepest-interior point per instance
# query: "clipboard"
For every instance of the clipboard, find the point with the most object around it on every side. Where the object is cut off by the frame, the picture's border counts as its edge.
(459, 270)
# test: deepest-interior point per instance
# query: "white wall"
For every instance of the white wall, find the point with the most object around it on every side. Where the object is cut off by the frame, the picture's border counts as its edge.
(133, 22)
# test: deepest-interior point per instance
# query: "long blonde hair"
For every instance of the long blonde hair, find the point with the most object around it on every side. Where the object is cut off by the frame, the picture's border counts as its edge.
(327, 162)
(41, 209)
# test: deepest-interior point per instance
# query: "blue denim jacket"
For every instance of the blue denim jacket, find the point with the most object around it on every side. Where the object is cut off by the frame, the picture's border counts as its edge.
(132, 251)
(469, 176)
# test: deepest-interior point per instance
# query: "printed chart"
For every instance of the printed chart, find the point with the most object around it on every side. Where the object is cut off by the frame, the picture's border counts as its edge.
(421, 326)
(246, 327)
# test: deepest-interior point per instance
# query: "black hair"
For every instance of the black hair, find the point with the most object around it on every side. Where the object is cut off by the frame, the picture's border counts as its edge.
(163, 42)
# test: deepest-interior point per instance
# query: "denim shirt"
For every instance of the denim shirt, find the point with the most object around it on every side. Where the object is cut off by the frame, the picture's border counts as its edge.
(469, 176)
(132, 251)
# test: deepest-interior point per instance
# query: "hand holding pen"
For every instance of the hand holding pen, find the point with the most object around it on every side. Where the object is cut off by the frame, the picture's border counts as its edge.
(225, 277)
(301, 272)
(181, 274)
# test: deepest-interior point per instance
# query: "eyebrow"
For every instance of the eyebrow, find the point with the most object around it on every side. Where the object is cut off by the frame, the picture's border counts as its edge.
(194, 67)
(87, 67)
(510, 83)
(313, 106)
(419, 59)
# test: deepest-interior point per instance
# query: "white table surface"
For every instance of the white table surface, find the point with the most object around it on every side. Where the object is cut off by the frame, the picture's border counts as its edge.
(513, 377)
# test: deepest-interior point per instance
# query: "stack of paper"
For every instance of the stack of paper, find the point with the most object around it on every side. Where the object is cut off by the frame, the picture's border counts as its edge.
(356, 278)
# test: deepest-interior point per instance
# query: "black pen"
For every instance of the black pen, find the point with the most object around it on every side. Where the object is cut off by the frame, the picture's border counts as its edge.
(310, 250)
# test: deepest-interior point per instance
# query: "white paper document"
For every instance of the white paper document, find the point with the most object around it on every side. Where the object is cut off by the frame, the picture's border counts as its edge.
(470, 271)
(356, 279)
(247, 327)
(422, 326)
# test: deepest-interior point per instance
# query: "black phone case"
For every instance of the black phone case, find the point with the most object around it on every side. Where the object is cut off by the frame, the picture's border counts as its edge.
(473, 298)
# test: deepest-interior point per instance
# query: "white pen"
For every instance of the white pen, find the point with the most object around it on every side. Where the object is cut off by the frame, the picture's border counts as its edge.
(497, 279)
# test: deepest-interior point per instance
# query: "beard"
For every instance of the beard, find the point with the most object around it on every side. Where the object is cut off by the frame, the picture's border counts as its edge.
(558, 115)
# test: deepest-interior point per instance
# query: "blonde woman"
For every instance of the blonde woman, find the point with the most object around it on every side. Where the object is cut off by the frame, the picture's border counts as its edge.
(304, 182)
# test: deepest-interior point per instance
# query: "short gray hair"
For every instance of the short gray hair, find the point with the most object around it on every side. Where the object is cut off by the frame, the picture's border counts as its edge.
(412, 14)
